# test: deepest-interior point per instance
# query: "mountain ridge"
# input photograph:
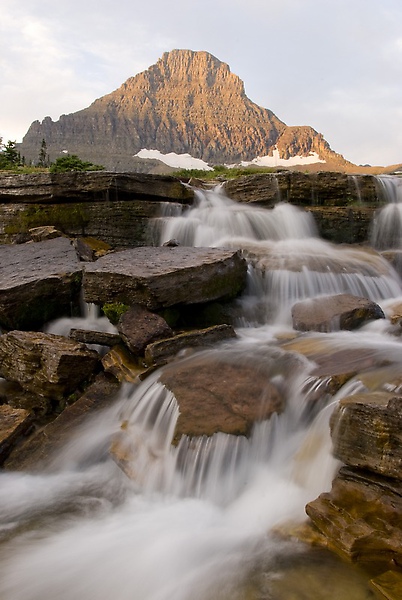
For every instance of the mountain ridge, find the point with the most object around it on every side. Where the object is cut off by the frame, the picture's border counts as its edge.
(187, 102)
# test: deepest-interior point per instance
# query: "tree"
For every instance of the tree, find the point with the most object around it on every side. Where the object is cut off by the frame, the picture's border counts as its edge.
(43, 160)
(9, 155)
(72, 162)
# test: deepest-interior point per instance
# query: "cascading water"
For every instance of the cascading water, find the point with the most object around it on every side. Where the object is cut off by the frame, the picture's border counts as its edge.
(387, 226)
(198, 520)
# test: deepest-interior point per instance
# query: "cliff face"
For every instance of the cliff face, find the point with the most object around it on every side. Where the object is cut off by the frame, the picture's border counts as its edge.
(188, 102)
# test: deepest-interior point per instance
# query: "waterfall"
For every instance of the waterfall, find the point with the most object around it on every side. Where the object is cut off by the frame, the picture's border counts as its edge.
(387, 226)
(123, 513)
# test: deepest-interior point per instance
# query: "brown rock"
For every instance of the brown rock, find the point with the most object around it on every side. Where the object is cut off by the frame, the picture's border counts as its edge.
(46, 364)
(14, 423)
(101, 338)
(366, 432)
(39, 449)
(159, 352)
(89, 248)
(46, 232)
(216, 395)
(158, 277)
(138, 327)
(123, 365)
(331, 313)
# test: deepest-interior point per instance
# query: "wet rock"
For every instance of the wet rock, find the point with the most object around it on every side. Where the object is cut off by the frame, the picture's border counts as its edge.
(38, 282)
(14, 422)
(366, 432)
(158, 277)
(139, 327)
(394, 257)
(331, 313)
(100, 338)
(217, 395)
(388, 585)
(123, 365)
(40, 448)
(361, 518)
(46, 364)
(14, 395)
(159, 352)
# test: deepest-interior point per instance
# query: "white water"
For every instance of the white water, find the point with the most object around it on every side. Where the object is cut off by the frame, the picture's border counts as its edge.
(194, 521)
(387, 226)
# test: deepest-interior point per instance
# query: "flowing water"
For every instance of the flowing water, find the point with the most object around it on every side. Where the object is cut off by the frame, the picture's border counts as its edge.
(387, 226)
(204, 520)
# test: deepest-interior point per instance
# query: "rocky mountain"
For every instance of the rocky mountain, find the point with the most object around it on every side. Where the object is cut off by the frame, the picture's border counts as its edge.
(188, 102)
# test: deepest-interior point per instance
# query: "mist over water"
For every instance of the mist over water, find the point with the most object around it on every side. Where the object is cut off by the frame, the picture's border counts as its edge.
(199, 520)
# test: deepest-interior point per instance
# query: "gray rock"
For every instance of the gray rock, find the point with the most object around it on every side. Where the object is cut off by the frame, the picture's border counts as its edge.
(46, 364)
(101, 338)
(331, 313)
(160, 277)
(38, 282)
(159, 352)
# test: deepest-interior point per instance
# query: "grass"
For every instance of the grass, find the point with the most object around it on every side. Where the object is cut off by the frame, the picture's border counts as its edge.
(220, 171)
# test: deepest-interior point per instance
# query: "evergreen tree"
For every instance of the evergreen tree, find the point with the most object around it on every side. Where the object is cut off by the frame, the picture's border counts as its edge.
(43, 160)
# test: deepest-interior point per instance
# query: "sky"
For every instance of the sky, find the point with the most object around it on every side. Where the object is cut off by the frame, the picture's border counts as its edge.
(335, 65)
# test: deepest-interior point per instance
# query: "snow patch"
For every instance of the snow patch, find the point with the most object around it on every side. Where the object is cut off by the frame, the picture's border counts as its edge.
(180, 161)
(276, 161)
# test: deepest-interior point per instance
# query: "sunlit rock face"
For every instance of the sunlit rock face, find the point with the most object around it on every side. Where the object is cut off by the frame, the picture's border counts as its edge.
(188, 103)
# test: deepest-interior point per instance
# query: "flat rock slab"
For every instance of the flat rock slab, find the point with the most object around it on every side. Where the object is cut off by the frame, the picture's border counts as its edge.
(331, 313)
(38, 282)
(158, 277)
(13, 423)
(159, 352)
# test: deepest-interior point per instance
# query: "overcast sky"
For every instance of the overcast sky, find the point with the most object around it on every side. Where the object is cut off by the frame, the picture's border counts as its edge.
(333, 64)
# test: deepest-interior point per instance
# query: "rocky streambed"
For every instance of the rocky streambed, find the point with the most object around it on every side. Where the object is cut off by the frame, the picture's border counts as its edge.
(260, 329)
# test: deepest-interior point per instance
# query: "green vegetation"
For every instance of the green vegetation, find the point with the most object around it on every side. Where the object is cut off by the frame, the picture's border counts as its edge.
(10, 158)
(220, 171)
(114, 310)
(71, 162)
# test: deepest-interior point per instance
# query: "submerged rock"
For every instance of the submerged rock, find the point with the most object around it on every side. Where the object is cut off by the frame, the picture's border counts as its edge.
(158, 277)
(45, 364)
(331, 313)
(38, 282)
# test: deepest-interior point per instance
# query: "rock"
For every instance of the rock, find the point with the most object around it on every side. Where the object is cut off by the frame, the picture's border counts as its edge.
(45, 364)
(159, 352)
(90, 186)
(160, 277)
(138, 327)
(101, 338)
(14, 395)
(388, 585)
(331, 313)
(38, 282)
(46, 232)
(89, 248)
(14, 422)
(123, 365)
(39, 449)
(366, 432)
(361, 518)
(214, 395)
(395, 258)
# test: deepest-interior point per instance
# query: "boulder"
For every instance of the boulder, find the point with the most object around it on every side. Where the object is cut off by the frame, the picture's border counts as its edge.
(100, 338)
(45, 364)
(38, 282)
(158, 277)
(331, 313)
(360, 517)
(123, 365)
(367, 432)
(215, 394)
(159, 352)
(39, 449)
(139, 327)
(14, 422)
(89, 248)
(46, 232)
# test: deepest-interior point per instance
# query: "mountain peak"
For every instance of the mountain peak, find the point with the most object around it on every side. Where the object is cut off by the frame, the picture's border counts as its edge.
(187, 102)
